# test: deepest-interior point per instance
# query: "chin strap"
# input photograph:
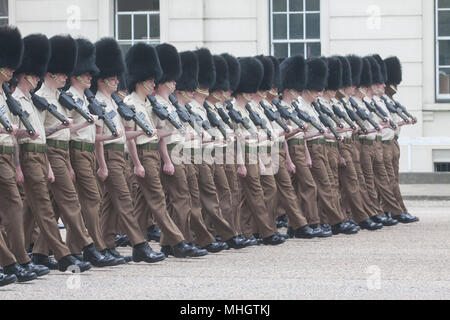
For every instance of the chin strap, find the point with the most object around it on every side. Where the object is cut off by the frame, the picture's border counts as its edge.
(146, 87)
(215, 96)
(273, 92)
(80, 80)
(184, 94)
(202, 91)
(30, 81)
(169, 86)
(55, 78)
(3, 72)
(244, 95)
(109, 84)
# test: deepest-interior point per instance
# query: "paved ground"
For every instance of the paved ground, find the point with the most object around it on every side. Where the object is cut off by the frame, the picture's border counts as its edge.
(438, 192)
(402, 262)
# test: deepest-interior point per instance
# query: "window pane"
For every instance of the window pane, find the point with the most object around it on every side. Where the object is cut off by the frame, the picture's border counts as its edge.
(444, 23)
(124, 46)
(3, 8)
(313, 26)
(296, 26)
(297, 48)
(140, 27)
(444, 81)
(312, 5)
(313, 49)
(279, 5)
(280, 26)
(154, 26)
(137, 5)
(444, 53)
(444, 4)
(280, 50)
(295, 5)
(124, 26)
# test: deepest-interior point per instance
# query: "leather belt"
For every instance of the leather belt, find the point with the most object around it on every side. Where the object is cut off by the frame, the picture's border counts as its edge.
(348, 140)
(378, 138)
(396, 137)
(148, 146)
(366, 142)
(250, 150)
(170, 146)
(58, 144)
(6, 149)
(33, 147)
(386, 142)
(295, 142)
(81, 145)
(114, 147)
(317, 141)
(331, 144)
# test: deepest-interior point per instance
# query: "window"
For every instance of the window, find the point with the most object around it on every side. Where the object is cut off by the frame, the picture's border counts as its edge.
(295, 28)
(3, 12)
(442, 167)
(136, 20)
(442, 49)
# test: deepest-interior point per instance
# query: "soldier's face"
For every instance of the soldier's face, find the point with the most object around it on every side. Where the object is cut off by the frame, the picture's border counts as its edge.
(61, 77)
(149, 85)
(85, 80)
(6, 74)
(111, 83)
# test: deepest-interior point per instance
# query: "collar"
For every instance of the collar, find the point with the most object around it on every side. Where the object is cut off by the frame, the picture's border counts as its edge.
(45, 91)
(19, 94)
(135, 97)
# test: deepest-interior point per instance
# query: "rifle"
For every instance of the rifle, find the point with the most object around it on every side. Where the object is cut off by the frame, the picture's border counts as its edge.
(394, 109)
(4, 120)
(330, 114)
(380, 110)
(16, 109)
(183, 114)
(326, 122)
(373, 109)
(354, 117)
(67, 101)
(198, 118)
(341, 114)
(214, 121)
(403, 108)
(225, 118)
(42, 104)
(237, 118)
(128, 113)
(163, 114)
(306, 117)
(98, 109)
(362, 114)
(287, 115)
(257, 121)
(274, 116)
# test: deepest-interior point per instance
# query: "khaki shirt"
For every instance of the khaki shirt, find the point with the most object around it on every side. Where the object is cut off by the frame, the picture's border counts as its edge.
(86, 134)
(36, 118)
(260, 111)
(372, 135)
(50, 121)
(395, 117)
(386, 133)
(241, 131)
(338, 104)
(220, 140)
(140, 106)
(111, 106)
(5, 138)
(176, 137)
(304, 106)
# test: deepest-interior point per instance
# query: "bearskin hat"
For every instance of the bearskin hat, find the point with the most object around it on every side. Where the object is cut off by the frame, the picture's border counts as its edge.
(36, 55)
(170, 62)
(11, 47)
(276, 72)
(334, 73)
(222, 76)
(252, 72)
(366, 74)
(63, 55)
(377, 76)
(109, 58)
(85, 58)
(293, 73)
(356, 65)
(206, 68)
(189, 76)
(234, 70)
(346, 72)
(394, 71)
(267, 81)
(317, 76)
(382, 66)
(142, 64)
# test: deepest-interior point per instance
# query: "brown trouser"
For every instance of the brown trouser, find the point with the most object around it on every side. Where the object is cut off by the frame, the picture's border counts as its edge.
(35, 171)
(333, 160)
(6, 257)
(230, 171)
(377, 180)
(286, 195)
(253, 204)
(11, 209)
(395, 168)
(64, 195)
(153, 194)
(84, 165)
(30, 227)
(224, 195)
(350, 184)
(321, 171)
(117, 188)
(304, 183)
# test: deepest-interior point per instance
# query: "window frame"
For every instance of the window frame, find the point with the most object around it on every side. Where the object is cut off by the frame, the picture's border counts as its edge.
(439, 97)
(7, 16)
(132, 41)
(289, 41)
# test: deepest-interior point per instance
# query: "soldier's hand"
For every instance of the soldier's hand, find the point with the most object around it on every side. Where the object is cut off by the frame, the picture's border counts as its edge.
(95, 117)
(242, 171)
(14, 129)
(102, 173)
(72, 174)
(309, 163)
(139, 171)
(51, 176)
(342, 162)
(119, 133)
(291, 167)
(36, 135)
(169, 169)
(19, 175)
(262, 167)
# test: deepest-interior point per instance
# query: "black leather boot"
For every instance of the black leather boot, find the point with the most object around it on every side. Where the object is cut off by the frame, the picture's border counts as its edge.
(22, 274)
(40, 259)
(142, 252)
(75, 264)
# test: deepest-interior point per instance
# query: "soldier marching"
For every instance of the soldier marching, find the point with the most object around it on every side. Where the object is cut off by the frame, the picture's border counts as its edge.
(199, 152)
